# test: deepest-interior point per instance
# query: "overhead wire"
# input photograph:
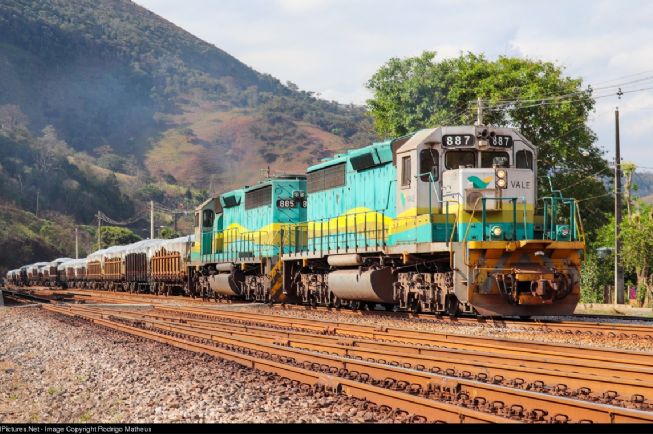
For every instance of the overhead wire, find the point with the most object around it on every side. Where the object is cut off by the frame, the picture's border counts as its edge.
(500, 103)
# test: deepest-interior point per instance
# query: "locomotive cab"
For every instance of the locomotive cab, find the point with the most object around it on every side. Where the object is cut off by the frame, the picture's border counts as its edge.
(471, 190)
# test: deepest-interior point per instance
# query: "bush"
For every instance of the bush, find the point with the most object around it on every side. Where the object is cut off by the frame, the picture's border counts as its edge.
(595, 275)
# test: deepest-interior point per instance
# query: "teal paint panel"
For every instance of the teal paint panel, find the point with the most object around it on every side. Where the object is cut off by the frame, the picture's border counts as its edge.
(370, 189)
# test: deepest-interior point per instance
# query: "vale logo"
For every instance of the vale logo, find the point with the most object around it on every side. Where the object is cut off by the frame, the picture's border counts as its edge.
(478, 182)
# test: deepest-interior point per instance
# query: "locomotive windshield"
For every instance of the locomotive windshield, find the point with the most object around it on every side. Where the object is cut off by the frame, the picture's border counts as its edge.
(495, 159)
(460, 159)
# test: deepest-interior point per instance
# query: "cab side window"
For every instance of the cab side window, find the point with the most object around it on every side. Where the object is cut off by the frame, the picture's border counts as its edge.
(429, 165)
(524, 159)
(405, 171)
(207, 218)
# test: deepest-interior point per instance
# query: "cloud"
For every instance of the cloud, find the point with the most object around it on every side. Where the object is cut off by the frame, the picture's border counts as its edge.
(300, 6)
(333, 47)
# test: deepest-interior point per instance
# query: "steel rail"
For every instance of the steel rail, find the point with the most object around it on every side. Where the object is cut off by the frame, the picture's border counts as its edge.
(510, 401)
(433, 337)
(612, 329)
(632, 385)
(431, 409)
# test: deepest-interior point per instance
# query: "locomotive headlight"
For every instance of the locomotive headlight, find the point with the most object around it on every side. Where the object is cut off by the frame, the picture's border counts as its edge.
(501, 174)
(497, 231)
(501, 183)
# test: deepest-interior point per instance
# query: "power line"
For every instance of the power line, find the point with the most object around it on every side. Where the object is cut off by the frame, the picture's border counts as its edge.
(102, 216)
(585, 178)
(625, 76)
(610, 193)
(566, 100)
(575, 94)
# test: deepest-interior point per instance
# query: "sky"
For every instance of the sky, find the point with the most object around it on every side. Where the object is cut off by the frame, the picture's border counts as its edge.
(332, 47)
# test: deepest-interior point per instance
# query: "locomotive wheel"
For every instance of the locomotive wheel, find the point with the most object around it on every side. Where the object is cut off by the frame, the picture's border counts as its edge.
(451, 305)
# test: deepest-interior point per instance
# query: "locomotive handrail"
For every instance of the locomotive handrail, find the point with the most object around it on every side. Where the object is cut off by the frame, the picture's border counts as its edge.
(580, 227)
(550, 224)
(469, 225)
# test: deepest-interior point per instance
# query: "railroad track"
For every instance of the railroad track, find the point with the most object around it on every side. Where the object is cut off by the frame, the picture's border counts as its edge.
(593, 329)
(616, 330)
(435, 376)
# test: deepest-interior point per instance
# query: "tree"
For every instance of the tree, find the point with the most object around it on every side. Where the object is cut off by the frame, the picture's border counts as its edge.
(117, 236)
(637, 237)
(596, 274)
(50, 149)
(636, 240)
(168, 233)
(422, 92)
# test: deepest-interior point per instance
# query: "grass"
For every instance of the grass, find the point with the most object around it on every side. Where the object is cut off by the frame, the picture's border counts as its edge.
(86, 416)
(52, 390)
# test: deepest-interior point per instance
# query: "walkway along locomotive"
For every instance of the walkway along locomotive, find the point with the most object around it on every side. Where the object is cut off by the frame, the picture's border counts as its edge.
(442, 220)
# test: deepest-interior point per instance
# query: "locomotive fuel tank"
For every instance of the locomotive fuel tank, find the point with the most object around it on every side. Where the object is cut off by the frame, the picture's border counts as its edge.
(374, 285)
(227, 284)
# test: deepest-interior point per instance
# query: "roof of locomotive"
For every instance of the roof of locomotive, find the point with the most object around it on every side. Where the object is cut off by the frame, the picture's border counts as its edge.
(340, 158)
(272, 180)
(435, 135)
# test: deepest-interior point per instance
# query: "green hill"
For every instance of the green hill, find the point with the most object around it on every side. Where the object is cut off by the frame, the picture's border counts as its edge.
(105, 106)
(116, 81)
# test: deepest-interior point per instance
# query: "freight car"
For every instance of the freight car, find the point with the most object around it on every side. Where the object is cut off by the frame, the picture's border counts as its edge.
(169, 265)
(51, 275)
(34, 273)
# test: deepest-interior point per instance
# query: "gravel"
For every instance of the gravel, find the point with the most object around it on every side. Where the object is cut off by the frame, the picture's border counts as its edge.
(60, 370)
(494, 329)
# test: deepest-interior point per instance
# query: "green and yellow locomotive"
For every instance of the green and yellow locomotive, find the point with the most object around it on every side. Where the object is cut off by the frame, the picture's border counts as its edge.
(442, 220)
(241, 239)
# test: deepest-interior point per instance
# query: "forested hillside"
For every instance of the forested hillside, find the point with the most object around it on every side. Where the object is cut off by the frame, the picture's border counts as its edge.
(105, 106)
(109, 74)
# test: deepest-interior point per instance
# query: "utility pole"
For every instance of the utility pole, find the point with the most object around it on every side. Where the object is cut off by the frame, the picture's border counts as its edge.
(151, 219)
(618, 269)
(174, 216)
(99, 230)
(479, 111)
(76, 243)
